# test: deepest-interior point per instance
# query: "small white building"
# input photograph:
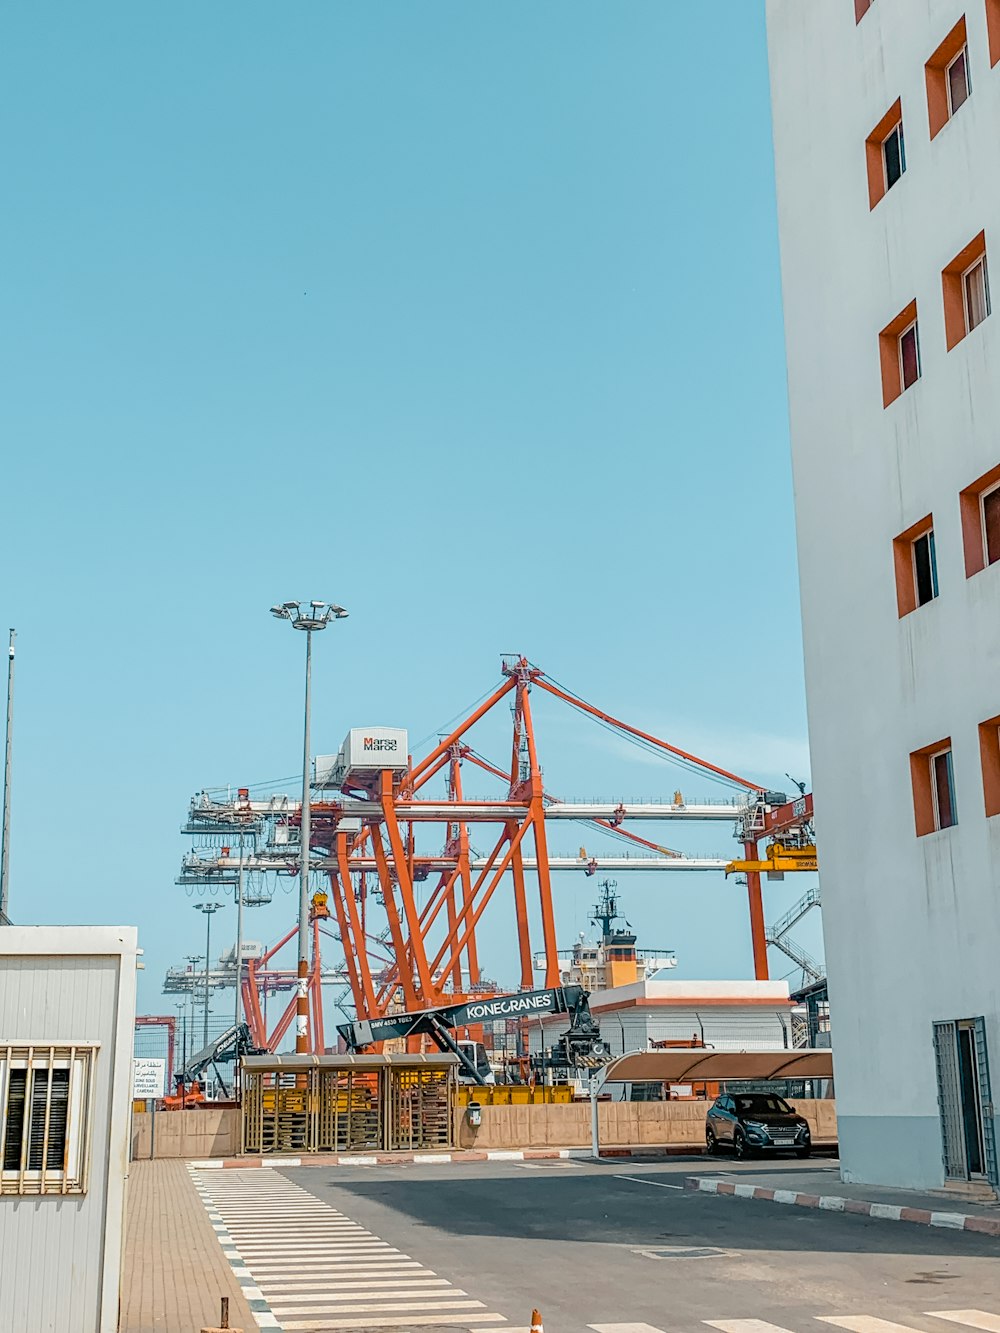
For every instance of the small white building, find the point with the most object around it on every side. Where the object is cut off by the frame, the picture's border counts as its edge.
(67, 1016)
(729, 1015)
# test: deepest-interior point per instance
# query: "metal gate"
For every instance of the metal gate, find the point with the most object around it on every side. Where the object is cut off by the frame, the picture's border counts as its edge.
(954, 1154)
(986, 1102)
(347, 1103)
(950, 1101)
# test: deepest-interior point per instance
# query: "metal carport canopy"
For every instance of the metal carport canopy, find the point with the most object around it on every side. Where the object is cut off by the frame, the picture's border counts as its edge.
(682, 1066)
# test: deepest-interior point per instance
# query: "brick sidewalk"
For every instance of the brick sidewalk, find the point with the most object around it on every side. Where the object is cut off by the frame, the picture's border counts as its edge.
(175, 1270)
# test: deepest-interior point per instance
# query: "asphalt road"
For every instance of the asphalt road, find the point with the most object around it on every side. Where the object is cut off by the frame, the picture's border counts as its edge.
(623, 1243)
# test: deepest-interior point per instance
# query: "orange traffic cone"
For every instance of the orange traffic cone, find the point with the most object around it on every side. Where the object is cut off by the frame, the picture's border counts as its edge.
(536, 1322)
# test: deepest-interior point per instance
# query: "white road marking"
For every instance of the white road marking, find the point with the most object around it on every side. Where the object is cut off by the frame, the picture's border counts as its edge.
(395, 1321)
(744, 1326)
(864, 1323)
(387, 1265)
(971, 1318)
(623, 1328)
(371, 1307)
(291, 1288)
(641, 1180)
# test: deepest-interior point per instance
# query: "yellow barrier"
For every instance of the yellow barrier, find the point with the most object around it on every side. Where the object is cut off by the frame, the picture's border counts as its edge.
(513, 1094)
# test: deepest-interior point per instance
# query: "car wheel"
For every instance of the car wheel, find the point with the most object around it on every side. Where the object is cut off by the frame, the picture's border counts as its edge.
(800, 1153)
(740, 1149)
(711, 1142)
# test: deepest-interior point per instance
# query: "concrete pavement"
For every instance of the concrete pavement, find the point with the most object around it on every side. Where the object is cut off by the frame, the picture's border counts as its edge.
(174, 1270)
(619, 1244)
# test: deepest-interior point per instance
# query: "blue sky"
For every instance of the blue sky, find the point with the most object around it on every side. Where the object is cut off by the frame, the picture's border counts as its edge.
(467, 317)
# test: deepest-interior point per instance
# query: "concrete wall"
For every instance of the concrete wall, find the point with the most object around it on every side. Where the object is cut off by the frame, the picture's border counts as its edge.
(202, 1134)
(912, 925)
(198, 1133)
(678, 1124)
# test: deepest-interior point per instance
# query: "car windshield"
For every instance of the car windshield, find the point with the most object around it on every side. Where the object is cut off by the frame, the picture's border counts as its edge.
(759, 1103)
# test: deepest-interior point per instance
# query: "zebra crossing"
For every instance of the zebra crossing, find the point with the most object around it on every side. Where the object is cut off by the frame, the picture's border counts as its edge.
(305, 1267)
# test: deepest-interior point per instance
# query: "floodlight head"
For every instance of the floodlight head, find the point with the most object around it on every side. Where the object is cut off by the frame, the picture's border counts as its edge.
(309, 616)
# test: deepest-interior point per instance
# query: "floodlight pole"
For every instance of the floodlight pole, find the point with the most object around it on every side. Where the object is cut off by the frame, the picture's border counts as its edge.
(239, 940)
(314, 617)
(302, 994)
(208, 909)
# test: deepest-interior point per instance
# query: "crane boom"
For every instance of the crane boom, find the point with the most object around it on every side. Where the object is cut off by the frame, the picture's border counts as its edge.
(581, 1042)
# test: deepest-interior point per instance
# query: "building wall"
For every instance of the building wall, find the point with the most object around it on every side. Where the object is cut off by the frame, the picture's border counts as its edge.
(912, 924)
(61, 1256)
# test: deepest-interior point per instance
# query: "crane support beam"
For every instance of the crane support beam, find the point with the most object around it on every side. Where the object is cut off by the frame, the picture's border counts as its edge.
(778, 859)
(437, 864)
(489, 812)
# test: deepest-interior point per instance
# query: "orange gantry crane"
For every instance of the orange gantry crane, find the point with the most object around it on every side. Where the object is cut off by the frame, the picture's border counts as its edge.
(372, 805)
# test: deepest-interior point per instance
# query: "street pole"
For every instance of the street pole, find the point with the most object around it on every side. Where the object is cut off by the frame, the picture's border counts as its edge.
(182, 1015)
(302, 998)
(315, 617)
(208, 909)
(5, 845)
(208, 954)
(239, 935)
(193, 959)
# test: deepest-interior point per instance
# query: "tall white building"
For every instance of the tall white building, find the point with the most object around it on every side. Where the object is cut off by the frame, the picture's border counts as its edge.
(887, 148)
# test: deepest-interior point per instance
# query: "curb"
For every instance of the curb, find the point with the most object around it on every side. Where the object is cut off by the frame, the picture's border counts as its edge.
(388, 1159)
(839, 1203)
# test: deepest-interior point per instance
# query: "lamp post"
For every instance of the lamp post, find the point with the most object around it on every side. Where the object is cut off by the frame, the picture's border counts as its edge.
(195, 960)
(310, 617)
(181, 1008)
(239, 938)
(208, 909)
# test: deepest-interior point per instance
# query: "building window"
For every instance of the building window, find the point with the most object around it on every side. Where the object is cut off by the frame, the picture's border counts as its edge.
(909, 355)
(885, 153)
(989, 756)
(965, 289)
(989, 511)
(933, 778)
(993, 29)
(948, 79)
(45, 1118)
(943, 784)
(893, 156)
(899, 353)
(976, 290)
(979, 506)
(861, 8)
(915, 560)
(959, 86)
(925, 568)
